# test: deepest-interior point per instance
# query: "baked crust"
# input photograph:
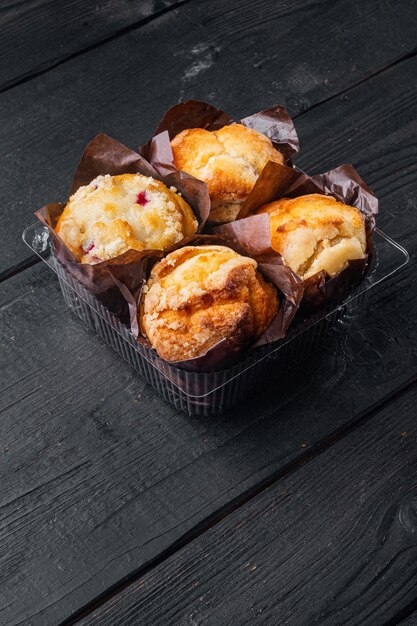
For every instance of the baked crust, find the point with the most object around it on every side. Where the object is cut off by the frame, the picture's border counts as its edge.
(229, 160)
(316, 232)
(198, 295)
(116, 213)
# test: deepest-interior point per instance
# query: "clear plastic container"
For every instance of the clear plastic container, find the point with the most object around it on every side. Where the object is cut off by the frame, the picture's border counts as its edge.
(212, 392)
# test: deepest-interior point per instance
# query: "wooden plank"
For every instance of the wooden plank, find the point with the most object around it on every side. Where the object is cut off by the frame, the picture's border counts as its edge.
(40, 34)
(241, 56)
(333, 543)
(99, 477)
(351, 129)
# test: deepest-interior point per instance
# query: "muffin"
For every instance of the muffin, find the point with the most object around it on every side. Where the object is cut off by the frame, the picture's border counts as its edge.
(199, 295)
(316, 233)
(114, 214)
(229, 160)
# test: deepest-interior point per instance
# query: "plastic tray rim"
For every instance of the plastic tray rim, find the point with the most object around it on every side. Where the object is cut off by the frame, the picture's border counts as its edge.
(38, 233)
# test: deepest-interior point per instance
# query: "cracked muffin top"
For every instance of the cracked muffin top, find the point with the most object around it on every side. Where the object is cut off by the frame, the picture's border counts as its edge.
(198, 295)
(229, 160)
(316, 232)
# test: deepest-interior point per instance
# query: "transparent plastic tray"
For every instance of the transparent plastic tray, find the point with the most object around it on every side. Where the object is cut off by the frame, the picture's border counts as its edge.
(212, 392)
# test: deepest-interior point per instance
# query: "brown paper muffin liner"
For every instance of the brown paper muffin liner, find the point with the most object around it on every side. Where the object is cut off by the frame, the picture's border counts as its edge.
(223, 354)
(344, 184)
(274, 122)
(105, 155)
(118, 283)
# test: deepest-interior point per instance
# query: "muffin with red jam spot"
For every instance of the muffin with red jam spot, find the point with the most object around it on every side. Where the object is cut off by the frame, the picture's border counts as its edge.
(114, 214)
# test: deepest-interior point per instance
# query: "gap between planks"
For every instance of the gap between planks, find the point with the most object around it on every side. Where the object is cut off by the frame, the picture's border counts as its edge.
(406, 617)
(119, 33)
(321, 447)
(398, 61)
(290, 468)
(30, 261)
(401, 618)
(243, 499)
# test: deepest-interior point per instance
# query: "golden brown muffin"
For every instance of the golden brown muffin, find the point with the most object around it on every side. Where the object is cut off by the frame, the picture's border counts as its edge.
(229, 160)
(316, 232)
(116, 213)
(199, 295)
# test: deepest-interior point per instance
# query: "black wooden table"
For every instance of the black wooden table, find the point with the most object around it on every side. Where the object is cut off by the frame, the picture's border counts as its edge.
(299, 507)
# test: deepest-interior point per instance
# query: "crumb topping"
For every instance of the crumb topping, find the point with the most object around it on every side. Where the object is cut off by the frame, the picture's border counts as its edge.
(316, 232)
(113, 214)
(198, 295)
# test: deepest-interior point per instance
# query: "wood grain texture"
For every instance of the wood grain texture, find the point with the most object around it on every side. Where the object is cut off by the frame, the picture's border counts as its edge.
(320, 547)
(98, 483)
(100, 477)
(39, 34)
(242, 56)
(375, 125)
